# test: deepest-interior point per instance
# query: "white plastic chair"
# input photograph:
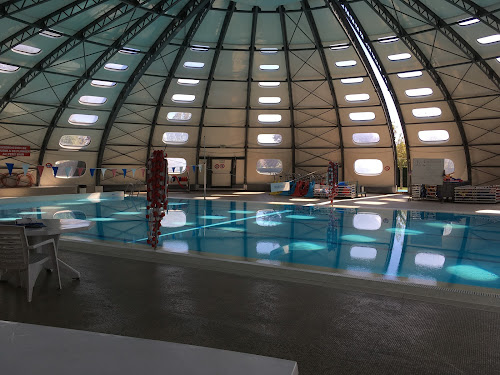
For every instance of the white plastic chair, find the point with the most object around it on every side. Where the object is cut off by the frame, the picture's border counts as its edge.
(15, 255)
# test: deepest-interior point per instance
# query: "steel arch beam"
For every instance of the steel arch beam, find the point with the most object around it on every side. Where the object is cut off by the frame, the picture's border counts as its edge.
(348, 21)
(471, 8)
(393, 23)
(286, 49)
(255, 12)
(218, 48)
(434, 20)
(104, 20)
(14, 6)
(183, 17)
(131, 32)
(60, 15)
(324, 62)
(175, 65)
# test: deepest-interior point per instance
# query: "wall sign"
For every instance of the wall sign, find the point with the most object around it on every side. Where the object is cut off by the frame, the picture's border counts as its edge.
(6, 150)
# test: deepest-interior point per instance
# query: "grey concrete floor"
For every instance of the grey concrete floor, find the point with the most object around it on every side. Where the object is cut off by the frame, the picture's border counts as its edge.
(327, 331)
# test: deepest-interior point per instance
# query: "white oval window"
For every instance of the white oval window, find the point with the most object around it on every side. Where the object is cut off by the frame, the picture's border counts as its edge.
(399, 57)
(175, 138)
(78, 119)
(339, 46)
(468, 21)
(92, 100)
(188, 82)
(115, 67)
(50, 34)
(6, 68)
(269, 84)
(346, 64)
(414, 93)
(269, 67)
(351, 81)
(199, 48)
(433, 136)
(193, 65)
(489, 39)
(23, 49)
(367, 221)
(176, 165)
(269, 100)
(74, 142)
(269, 51)
(269, 119)
(368, 167)
(70, 168)
(362, 116)
(269, 139)
(98, 83)
(414, 74)
(183, 98)
(366, 138)
(426, 112)
(129, 51)
(179, 116)
(357, 97)
(269, 166)
(388, 39)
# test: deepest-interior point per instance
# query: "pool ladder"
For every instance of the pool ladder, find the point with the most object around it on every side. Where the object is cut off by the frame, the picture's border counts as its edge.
(132, 191)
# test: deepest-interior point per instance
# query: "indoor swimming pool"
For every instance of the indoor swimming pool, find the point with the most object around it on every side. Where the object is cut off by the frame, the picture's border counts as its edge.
(427, 248)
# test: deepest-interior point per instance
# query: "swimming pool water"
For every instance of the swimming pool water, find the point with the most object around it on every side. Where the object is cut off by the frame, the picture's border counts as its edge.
(424, 247)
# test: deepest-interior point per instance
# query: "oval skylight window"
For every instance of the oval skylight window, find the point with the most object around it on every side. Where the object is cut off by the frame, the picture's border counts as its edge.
(50, 34)
(129, 51)
(367, 221)
(357, 97)
(269, 67)
(339, 46)
(368, 167)
(269, 84)
(92, 100)
(366, 138)
(489, 39)
(498, 59)
(399, 57)
(345, 64)
(179, 116)
(199, 48)
(23, 49)
(468, 21)
(433, 136)
(269, 51)
(269, 166)
(427, 112)
(388, 39)
(414, 74)
(79, 119)
(362, 116)
(413, 93)
(269, 139)
(6, 68)
(176, 165)
(115, 67)
(74, 142)
(193, 65)
(183, 98)
(350, 81)
(175, 138)
(188, 82)
(269, 100)
(98, 83)
(269, 119)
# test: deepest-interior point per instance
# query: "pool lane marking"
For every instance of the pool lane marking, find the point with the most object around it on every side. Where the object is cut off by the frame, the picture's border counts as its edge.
(217, 224)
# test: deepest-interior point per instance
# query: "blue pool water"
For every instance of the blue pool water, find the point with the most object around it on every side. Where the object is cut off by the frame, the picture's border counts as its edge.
(425, 247)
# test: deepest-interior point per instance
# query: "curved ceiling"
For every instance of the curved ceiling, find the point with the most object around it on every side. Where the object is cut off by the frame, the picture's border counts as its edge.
(230, 55)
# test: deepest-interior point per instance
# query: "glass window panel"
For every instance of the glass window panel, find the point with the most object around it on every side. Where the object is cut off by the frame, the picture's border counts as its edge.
(414, 74)
(179, 164)
(194, 65)
(426, 112)
(78, 119)
(188, 82)
(350, 81)
(23, 49)
(399, 57)
(269, 139)
(74, 142)
(433, 135)
(98, 83)
(269, 67)
(269, 166)
(175, 138)
(72, 170)
(92, 100)
(346, 64)
(179, 116)
(115, 67)
(368, 167)
(489, 39)
(269, 100)
(365, 138)
(265, 119)
(357, 97)
(362, 116)
(183, 98)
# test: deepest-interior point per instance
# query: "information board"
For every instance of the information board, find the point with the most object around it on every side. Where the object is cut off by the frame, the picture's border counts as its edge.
(427, 171)
(6, 150)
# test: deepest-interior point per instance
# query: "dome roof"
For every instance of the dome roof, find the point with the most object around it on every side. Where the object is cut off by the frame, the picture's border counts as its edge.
(332, 80)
